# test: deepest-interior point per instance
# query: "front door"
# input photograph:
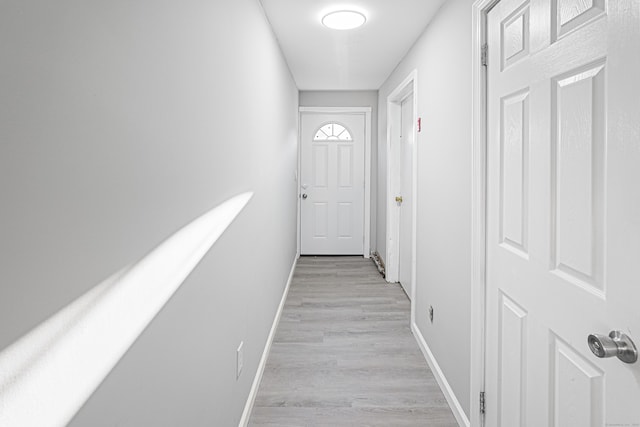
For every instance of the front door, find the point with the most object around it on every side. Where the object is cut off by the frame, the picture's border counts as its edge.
(563, 211)
(332, 184)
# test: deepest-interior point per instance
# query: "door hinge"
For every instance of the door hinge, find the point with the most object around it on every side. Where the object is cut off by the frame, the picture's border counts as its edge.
(482, 403)
(483, 54)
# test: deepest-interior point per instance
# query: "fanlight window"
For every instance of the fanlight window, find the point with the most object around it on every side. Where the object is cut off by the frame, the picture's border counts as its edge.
(332, 132)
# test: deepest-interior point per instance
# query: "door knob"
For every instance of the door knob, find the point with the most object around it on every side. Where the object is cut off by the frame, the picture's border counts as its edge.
(399, 199)
(616, 344)
(304, 196)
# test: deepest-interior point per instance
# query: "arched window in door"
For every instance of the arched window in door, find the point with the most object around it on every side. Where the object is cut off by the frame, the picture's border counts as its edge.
(333, 132)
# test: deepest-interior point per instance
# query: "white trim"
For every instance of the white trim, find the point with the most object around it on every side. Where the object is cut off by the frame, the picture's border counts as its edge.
(480, 9)
(48, 374)
(366, 248)
(453, 402)
(332, 110)
(408, 86)
(248, 407)
(298, 168)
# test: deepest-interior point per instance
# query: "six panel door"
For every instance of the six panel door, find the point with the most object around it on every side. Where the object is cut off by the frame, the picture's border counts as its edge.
(563, 211)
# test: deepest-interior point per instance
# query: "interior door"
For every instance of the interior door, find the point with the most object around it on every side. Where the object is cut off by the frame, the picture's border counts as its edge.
(406, 186)
(563, 211)
(332, 184)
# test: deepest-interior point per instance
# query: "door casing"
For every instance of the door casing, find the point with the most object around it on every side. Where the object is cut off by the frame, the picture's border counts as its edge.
(480, 9)
(366, 112)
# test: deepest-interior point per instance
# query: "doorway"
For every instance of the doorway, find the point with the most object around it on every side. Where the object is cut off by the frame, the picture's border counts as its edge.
(334, 198)
(401, 185)
(405, 197)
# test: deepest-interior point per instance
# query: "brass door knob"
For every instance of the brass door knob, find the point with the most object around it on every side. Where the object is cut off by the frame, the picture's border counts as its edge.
(399, 199)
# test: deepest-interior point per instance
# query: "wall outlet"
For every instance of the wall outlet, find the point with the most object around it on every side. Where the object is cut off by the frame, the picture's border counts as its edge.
(239, 359)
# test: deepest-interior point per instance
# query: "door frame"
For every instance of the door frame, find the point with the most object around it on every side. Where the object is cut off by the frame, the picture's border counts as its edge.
(408, 87)
(480, 9)
(366, 112)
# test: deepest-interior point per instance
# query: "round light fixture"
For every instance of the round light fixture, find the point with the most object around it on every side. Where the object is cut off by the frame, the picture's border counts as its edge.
(344, 20)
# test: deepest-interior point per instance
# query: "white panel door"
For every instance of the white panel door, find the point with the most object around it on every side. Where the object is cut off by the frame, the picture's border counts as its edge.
(406, 176)
(332, 184)
(563, 211)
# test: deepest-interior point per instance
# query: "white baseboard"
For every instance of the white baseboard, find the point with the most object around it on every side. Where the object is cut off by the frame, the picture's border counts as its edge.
(244, 420)
(458, 412)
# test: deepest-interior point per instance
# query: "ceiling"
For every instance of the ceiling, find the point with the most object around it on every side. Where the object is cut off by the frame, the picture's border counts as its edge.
(360, 59)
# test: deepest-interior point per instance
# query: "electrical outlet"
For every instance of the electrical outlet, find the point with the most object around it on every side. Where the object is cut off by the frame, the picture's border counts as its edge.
(431, 313)
(239, 359)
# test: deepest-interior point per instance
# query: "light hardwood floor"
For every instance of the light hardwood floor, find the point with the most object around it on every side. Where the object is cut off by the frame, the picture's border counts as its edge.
(344, 355)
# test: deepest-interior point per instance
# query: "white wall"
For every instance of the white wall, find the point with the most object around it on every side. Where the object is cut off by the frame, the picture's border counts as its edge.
(442, 58)
(357, 98)
(120, 122)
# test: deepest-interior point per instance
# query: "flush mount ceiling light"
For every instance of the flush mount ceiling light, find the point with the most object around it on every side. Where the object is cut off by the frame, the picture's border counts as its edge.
(344, 20)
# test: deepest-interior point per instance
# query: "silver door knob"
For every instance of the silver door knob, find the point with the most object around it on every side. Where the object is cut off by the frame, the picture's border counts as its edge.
(304, 196)
(616, 344)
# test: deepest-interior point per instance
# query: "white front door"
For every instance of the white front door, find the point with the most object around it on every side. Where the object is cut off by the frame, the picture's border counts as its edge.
(406, 176)
(332, 184)
(563, 211)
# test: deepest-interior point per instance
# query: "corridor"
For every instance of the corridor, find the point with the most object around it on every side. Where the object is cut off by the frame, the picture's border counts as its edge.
(343, 354)
(166, 166)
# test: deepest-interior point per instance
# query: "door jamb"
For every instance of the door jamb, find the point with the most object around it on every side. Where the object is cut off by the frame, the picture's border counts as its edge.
(394, 104)
(366, 111)
(480, 9)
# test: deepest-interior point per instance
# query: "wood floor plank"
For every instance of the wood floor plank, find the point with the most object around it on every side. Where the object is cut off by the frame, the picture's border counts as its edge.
(344, 355)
